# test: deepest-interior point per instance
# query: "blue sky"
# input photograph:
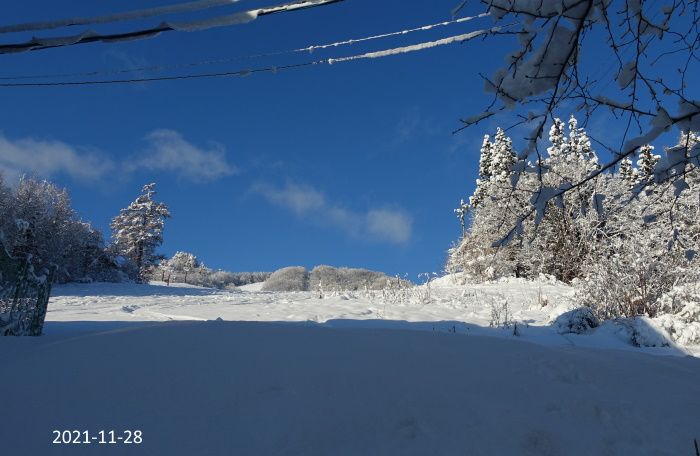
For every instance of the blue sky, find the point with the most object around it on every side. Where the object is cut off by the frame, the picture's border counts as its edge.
(352, 164)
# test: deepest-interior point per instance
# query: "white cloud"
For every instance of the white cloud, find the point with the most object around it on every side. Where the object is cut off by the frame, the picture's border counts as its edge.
(391, 225)
(385, 225)
(170, 151)
(46, 158)
(300, 199)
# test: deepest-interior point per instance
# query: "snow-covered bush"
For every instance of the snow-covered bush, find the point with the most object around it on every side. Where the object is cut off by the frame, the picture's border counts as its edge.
(576, 321)
(226, 279)
(642, 332)
(346, 279)
(627, 283)
(682, 320)
(293, 278)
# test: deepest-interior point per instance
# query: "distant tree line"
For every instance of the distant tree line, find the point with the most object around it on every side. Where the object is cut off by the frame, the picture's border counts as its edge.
(39, 224)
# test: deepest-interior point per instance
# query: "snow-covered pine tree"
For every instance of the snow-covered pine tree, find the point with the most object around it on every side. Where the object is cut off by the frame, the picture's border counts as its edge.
(627, 173)
(485, 158)
(557, 139)
(485, 172)
(502, 157)
(646, 163)
(580, 144)
(138, 229)
(494, 205)
(562, 239)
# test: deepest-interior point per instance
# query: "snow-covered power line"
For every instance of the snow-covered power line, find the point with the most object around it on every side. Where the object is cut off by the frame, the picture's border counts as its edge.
(90, 36)
(387, 35)
(188, 7)
(271, 69)
(415, 47)
(309, 49)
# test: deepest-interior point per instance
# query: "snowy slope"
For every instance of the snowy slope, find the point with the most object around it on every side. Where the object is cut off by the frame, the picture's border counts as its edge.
(244, 388)
(448, 307)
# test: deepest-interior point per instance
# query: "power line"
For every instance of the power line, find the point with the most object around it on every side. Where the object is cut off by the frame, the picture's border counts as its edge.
(116, 17)
(245, 72)
(308, 49)
(38, 43)
(271, 69)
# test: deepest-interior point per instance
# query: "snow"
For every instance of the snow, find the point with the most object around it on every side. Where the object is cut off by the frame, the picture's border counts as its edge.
(273, 388)
(415, 47)
(124, 16)
(182, 26)
(251, 287)
(448, 305)
(405, 371)
(387, 35)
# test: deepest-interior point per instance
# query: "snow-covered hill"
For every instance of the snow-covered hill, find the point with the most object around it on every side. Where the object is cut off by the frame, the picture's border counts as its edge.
(388, 373)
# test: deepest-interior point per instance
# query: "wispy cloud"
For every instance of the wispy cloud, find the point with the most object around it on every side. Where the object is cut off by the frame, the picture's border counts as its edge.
(391, 225)
(412, 123)
(300, 199)
(47, 158)
(166, 151)
(394, 226)
(169, 151)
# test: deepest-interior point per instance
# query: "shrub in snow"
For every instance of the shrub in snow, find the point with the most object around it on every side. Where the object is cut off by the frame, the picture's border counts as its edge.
(576, 321)
(346, 279)
(683, 320)
(229, 280)
(628, 282)
(641, 332)
(293, 278)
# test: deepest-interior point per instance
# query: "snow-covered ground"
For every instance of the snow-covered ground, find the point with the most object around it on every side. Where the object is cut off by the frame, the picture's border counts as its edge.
(388, 373)
(448, 307)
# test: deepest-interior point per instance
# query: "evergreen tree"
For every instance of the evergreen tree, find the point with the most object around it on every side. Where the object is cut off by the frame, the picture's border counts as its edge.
(646, 163)
(557, 139)
(485, 159)
(627, 173)
(138, 230)
(502, 157)
(485, 172)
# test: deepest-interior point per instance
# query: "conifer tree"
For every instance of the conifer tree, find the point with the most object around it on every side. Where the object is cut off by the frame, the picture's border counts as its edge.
(627, 173)
(646, 163)
(138, 229)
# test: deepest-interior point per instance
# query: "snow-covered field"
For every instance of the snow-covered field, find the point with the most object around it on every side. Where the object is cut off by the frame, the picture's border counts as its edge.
(449, 307)
(350, 373)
